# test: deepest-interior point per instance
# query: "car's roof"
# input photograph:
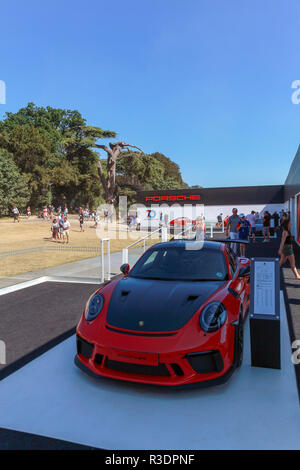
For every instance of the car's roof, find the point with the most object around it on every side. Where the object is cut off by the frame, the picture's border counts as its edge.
(209, 245)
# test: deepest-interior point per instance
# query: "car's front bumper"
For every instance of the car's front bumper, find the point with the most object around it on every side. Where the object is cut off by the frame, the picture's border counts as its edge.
(181, 369)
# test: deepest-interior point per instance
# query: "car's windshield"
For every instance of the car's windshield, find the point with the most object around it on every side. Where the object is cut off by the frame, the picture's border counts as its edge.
(178, 263)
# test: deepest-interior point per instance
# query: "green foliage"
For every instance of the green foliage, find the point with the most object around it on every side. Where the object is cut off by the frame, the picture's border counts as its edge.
(13, 186)
(53, 150)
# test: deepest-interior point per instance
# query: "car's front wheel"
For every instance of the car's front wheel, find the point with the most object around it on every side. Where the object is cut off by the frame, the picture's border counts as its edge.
(239, 342)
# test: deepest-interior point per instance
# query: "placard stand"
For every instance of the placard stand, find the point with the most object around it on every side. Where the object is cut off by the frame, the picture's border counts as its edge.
(265, 313)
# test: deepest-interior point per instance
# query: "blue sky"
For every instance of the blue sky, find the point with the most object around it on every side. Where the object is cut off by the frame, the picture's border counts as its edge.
(206, 82)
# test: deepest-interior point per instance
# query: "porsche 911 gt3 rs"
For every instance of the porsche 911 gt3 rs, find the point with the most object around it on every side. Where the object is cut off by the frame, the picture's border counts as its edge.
(176, 318)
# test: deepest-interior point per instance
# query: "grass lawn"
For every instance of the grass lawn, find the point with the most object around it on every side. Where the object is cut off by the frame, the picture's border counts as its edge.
(36, 232)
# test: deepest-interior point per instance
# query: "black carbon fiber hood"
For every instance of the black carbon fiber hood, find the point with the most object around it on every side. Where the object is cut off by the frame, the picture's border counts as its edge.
(152, 305)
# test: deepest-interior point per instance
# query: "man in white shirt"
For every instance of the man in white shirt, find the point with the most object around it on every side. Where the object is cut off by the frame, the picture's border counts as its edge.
(252, 218)
(66, 229)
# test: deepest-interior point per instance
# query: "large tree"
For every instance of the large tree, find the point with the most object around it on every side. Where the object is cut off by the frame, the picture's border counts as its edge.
(115, 151)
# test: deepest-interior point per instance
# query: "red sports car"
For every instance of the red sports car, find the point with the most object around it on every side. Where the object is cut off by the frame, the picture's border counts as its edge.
(181, 222)
(176, 318)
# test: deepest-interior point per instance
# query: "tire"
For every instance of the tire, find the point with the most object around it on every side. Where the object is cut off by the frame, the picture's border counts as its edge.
(239, 342)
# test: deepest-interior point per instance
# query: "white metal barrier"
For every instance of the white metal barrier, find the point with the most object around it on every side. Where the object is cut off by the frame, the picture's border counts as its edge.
(210, 228)
(164, 237)
(102, 259)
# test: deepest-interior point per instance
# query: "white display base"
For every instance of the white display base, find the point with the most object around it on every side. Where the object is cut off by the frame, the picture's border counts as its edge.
(257, 409)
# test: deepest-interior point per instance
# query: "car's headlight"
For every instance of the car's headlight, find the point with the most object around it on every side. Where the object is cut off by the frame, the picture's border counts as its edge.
(213, 316)
(94, 307)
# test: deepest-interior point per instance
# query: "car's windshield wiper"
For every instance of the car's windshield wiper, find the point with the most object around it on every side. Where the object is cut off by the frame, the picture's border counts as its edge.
(152, 278)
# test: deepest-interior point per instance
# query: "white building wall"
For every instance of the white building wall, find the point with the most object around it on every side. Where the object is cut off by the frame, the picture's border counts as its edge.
(211, 212)
(150, 216)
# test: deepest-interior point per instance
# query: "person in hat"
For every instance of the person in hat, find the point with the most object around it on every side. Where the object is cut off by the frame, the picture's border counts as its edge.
(243, 231)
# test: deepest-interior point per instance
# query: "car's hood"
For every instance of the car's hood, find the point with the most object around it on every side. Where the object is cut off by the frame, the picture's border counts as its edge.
(152, 305)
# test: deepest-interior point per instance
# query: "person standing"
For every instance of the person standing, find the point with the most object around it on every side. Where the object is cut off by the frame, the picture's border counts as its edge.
(243, 231)
(286, 251)
(66, 231)
(61, 226)
(16, 214)
(28, 210)
(97, 220)
(252, 219)
(81, 220)
(266, 226)
(200, 229)
(45, 213)
(276, 219)
(232, 228)
(55, 227)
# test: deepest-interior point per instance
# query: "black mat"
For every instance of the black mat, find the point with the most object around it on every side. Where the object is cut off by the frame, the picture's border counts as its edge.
(37, 318)
(17, 440)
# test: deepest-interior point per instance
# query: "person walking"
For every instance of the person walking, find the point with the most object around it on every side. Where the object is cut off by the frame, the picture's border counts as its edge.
(16, 214)
(243, 231)
(286, 251)
(28, 210)
(266, 226)
(232, 228)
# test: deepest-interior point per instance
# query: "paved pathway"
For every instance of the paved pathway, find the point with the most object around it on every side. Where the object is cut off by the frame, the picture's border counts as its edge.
(86, 268)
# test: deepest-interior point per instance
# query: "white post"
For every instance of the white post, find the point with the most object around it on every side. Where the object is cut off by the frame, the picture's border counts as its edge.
(108, 262)
(125, 256)
(211, 230)
(102, 259)
(164, 234)
(102, 262)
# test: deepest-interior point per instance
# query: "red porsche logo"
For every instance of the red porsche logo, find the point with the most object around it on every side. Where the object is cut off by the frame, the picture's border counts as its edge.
(193, 197)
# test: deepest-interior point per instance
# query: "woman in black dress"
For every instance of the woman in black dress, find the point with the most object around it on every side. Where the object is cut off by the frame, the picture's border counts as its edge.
(286, 247)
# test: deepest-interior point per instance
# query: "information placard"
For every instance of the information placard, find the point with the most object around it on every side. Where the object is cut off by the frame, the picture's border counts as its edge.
(264, 281)
(265, 312)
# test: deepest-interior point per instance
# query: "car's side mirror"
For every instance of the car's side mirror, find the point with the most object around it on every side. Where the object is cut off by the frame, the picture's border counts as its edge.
(125, 268)
(244, 271)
